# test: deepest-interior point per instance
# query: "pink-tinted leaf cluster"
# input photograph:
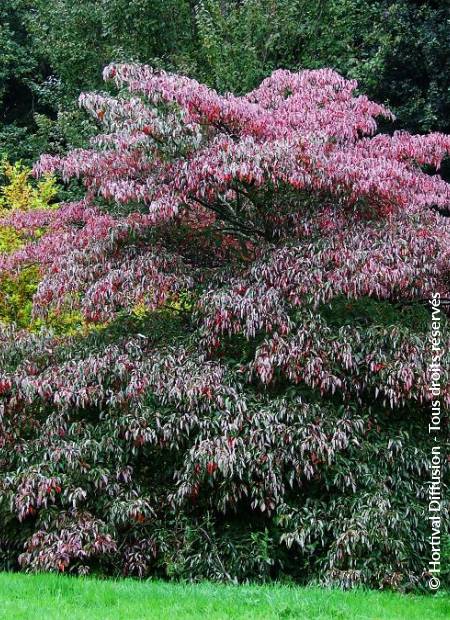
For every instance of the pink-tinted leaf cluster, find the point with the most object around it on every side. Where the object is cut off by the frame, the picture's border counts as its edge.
(248, 217)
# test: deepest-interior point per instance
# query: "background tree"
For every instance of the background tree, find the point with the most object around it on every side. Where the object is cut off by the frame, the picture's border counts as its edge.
(395, 49)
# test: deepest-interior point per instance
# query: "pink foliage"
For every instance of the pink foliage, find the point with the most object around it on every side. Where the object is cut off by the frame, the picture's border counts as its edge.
(184, 155)
(262, 209)
(289, 177)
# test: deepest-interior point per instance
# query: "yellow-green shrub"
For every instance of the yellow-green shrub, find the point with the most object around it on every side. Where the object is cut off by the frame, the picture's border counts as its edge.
(20, 192)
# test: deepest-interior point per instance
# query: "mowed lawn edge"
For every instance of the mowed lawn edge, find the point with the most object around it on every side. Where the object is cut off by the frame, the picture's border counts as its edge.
(53, 597)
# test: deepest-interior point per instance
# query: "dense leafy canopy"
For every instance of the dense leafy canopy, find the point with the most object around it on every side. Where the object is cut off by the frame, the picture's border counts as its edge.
(259, 264)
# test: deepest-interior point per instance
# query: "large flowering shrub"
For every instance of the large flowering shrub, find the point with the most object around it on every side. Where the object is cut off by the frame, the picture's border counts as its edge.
(265, 413)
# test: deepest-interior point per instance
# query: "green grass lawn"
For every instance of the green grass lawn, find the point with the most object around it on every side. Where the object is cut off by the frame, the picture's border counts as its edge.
(54, 597)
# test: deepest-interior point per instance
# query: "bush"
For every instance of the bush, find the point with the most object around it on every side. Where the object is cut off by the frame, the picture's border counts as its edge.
(265, 412)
